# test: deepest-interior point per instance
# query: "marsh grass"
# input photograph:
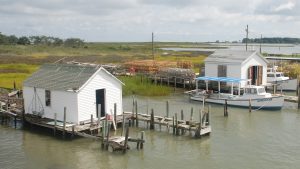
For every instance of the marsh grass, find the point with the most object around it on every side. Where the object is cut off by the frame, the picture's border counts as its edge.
(134, 85)
(10, 73)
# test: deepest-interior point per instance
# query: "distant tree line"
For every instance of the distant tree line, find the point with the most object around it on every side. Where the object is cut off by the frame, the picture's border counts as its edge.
(40, 40)
(273, 40)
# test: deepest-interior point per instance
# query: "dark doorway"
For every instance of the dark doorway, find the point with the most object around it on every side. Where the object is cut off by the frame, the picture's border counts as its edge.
(255, 75)
(100, 99)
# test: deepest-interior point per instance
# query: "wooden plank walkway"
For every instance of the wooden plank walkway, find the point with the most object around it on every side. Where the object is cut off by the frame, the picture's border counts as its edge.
(293, 99)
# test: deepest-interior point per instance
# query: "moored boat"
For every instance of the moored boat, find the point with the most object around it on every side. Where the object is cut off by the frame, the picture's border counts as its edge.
(253, 95)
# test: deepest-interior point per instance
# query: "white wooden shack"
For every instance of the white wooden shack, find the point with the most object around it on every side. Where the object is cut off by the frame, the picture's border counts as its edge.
(237, 64)
(79, 88)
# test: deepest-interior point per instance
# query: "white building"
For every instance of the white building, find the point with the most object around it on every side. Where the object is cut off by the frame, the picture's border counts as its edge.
(237, 64)
(79, 88)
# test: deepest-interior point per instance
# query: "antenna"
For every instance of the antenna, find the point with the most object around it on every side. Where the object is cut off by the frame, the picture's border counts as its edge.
(260, 43)
(152, 45)
(247, 32)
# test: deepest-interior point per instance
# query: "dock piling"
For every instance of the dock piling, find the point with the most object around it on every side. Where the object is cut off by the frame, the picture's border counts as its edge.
(115, 114)
(250, 106)
(142, 140)
(167, 108)
(136, 115)
(152, 120)
(64, 126)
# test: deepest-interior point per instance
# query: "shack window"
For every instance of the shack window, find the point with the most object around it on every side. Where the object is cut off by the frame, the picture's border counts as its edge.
(48, 97)
(222, 71)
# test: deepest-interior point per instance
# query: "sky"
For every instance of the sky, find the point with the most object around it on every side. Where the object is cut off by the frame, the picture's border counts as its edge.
(135, 20)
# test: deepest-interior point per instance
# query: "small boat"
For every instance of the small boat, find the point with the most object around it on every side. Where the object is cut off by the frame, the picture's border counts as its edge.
(275, 77)
(252, 95)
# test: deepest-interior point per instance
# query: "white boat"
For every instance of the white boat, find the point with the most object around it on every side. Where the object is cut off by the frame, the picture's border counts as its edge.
(275, 77)
(254, 95)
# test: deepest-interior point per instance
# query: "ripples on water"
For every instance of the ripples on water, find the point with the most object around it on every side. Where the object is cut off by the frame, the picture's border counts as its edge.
(261, 139)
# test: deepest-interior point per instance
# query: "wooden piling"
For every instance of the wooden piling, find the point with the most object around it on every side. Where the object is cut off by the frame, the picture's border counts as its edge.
(73, 131)
(115, 114)
(142, 140)
(176, 125)
(225, 108)
(191, 117)
(152, 120)
(123, 124)
(107, 136)
(133, 108)
(136, 115)
(99, 117)
(250, 106)
(126, 140)
(64, 126)
(15, 120)
(175, 83)
(198, 131)
(167, 108)
(182, 115)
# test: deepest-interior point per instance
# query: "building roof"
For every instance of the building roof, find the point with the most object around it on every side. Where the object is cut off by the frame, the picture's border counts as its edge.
(62, 77)
(231, 56)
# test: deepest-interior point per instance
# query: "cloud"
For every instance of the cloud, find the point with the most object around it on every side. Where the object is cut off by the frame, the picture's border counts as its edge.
(287, 6)
(134, 20)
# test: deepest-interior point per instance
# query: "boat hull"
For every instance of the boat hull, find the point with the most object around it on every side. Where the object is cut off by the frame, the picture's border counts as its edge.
(272, 103)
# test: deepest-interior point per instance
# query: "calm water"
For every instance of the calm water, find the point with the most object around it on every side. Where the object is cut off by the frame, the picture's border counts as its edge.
(287, 49)
(262, 139)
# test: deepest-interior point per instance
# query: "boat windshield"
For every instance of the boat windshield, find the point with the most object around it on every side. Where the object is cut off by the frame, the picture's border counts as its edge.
(279, 75)
(250, 91)
(270, 75)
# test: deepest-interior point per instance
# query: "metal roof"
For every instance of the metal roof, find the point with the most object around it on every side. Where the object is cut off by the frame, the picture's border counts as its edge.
(229, 56)
(61, 76)
(221, 79)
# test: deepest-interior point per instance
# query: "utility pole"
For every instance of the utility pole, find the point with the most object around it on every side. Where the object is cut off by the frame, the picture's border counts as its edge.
(260, 43)
(152, 46)
(247, 32)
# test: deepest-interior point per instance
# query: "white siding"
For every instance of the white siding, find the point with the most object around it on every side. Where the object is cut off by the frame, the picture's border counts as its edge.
(211, 69)
(59, 100)
(87, 95)
(255, 60)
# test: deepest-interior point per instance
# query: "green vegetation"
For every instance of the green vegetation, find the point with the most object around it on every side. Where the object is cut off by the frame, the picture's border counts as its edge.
(17, 61)
(138, 86)
(273, 40)
(10, 73)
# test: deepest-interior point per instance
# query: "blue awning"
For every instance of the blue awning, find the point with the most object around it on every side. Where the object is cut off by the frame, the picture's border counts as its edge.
(221, 79)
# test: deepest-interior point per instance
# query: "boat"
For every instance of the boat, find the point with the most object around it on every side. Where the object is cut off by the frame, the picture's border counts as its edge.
(275, 77)
(249, 95)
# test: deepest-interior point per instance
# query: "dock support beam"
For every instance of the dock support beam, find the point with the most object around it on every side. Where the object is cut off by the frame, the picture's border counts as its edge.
(225, 109)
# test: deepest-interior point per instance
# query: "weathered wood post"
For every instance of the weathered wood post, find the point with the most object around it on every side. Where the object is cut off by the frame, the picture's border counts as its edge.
(103, 134)
(55, 123)
(152, 120)
(175, 83)
(123, 124)
(115, 114)
(142, 140)
(191, 117)
(107, 136)
(225, 109)
(208, 115)
(73, 131)
(133, 108)
(182, 115)
(126, 140)
(167, 108)
(250, 106)
(15, 120)
(198, 131)
(64, 126)
(176, 124)
(136, 115)
(174, 130)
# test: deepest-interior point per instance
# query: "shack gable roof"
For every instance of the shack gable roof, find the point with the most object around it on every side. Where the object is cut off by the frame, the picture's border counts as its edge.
(231, 56)
(62, 77)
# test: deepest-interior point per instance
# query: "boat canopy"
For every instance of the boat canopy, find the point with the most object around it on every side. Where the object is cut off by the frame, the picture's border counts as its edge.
(221, 79)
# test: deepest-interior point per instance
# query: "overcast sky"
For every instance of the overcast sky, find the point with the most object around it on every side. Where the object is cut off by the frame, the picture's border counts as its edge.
(134, 20)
